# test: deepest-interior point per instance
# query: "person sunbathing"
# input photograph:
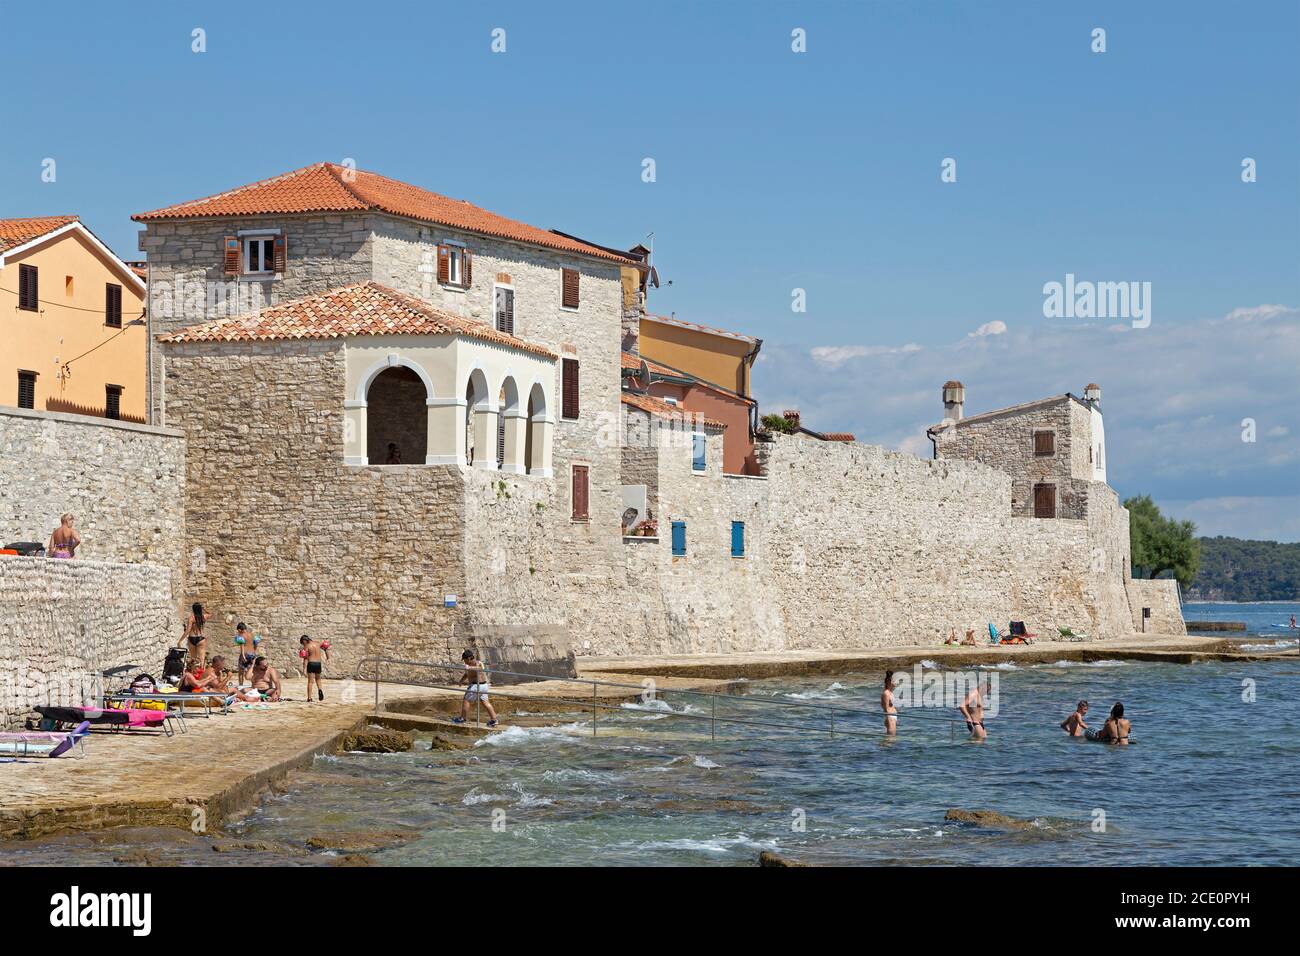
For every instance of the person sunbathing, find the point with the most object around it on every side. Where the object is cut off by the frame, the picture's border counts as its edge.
(970, 638)
(266, 679)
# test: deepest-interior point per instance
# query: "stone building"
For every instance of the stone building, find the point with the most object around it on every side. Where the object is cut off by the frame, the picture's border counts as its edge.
(1053, 448)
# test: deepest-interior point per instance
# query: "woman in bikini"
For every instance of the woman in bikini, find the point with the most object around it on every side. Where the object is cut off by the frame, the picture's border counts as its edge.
(193, 636)
(65, 540)
(1115, 730)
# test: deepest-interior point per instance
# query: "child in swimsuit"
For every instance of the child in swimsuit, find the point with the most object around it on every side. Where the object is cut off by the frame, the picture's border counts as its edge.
(247, 650)
(1074, 725)
(477, 692)
(311, 654)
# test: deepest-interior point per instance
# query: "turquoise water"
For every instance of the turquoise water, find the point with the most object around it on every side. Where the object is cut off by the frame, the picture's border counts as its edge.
(1211, 779)
(1258, 618)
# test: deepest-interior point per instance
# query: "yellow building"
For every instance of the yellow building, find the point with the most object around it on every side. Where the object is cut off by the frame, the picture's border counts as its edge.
(73, 331)
(714, 355)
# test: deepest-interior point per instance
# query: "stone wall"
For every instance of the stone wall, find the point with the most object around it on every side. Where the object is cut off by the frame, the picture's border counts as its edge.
(123, 482)
(1161, 595)
(62, 622)
(1005, 440)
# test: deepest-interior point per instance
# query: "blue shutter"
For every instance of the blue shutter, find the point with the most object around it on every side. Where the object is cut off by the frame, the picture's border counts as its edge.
(679, 538)
(698, 448)
(737, 539)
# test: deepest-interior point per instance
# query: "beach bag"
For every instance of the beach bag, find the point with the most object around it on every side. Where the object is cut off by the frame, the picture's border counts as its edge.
(144, 684)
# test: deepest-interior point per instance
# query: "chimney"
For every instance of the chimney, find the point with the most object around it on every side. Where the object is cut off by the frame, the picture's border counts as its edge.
(954, 398)
(1092, 393)
(791, 415)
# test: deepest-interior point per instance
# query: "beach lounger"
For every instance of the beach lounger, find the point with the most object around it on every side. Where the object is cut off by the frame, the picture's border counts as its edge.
(1069, 635)
(113, 718)
(44, 743)
(220, 700)
(1019, 634)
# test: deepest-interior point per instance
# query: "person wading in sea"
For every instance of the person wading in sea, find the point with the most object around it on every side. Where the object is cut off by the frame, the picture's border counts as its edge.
(972, 708)
(1074, 725)
(887, 704)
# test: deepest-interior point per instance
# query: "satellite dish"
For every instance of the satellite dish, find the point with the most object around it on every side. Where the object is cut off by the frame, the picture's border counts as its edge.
(643, 376)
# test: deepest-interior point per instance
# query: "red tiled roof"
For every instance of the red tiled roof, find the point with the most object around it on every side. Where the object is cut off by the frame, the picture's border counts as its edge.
(662, 409)
(16, 232)
(632, 362)
(366, 308)
(328, 187)
(838, 436)
(681, 323)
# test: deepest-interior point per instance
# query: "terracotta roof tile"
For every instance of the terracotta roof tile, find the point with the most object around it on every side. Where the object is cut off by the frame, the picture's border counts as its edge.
(838, 436)
(632, 362)
(366, 308)
(662, 409)
(16, 232)
(328, 187)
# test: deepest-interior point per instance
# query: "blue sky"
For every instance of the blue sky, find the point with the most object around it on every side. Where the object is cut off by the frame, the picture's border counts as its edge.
(777, 171)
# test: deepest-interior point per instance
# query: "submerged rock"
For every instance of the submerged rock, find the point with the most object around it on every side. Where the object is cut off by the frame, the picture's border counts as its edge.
(768, 858)
(378, 741)
(989, 819)
(358, 841)
(710, 806)
(440, 742)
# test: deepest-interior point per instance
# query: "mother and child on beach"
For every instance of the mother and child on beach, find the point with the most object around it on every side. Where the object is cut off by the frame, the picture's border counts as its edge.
(257, 679)
(1114, 731)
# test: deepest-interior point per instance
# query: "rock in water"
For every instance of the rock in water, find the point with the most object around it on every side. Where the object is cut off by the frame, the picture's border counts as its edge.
(378, 741)
(989, 819)
(768, 858)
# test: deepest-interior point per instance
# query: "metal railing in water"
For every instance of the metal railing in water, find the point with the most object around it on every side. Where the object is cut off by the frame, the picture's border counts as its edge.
(651, 691)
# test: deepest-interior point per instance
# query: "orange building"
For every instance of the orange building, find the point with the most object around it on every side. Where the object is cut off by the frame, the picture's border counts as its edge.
(72, 320)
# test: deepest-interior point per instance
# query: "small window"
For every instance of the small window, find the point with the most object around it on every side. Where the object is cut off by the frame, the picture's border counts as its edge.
(569, 389)
(454, 266)
(737, 539)
(28, 293)
(581, 491)
(259, 255)
(1044, 501)
(1044, 444)
(113, 305)
(112, 401)
(699, 460)
(68, 286)
(569, 288)
(505, 310)
(679, 539)
(26, 389)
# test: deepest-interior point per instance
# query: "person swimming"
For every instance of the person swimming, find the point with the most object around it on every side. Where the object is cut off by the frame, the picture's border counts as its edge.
(1115, 730)
(1074, 725)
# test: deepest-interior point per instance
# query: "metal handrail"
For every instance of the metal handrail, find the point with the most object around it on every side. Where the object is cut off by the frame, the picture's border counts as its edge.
(595, 704)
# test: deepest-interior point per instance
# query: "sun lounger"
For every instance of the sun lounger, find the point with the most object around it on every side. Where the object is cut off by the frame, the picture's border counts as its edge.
(113, 718)
(209, 699)
(44, 743)
(1069, 635)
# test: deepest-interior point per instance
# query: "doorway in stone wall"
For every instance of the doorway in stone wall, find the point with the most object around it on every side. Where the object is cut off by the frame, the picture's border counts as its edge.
(397, 418)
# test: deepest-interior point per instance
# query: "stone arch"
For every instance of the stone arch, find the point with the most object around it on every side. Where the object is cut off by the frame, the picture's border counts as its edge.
(391, 361)
(478, 406)
(397, 421)
(535, 452)
(511, 426)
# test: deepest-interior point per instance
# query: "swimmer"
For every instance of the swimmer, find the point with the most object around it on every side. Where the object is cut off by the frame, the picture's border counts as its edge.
(1074, 725)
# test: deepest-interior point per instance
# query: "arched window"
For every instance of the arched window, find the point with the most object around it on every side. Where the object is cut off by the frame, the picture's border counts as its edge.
(397, 423)
(536, 410)
(509, 429)
(476, 399)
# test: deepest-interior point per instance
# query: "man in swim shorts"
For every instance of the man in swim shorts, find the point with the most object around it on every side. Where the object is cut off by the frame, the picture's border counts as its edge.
(266, 679)
(247, 653)
(476, 677)
(1074, 725)
(972, 708)
(313, 664)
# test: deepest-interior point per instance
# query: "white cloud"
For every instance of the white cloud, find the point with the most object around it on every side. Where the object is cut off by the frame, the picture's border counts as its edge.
(1174, 395)
(995, 327)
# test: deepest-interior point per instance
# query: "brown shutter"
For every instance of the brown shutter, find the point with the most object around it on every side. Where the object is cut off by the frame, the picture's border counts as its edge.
(1044, 501)
(113, 304)
(466, 268)
(1044, 443)
(231, 256)
(569, 388)
(569, 281)
(444, 265)
(281, 254)
(580, 492)
(28, 288)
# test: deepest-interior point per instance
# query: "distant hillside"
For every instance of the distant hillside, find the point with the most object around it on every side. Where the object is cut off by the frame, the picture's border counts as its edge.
(1233, 569)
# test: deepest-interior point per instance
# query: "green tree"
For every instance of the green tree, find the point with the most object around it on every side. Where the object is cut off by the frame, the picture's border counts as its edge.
(1159, 544)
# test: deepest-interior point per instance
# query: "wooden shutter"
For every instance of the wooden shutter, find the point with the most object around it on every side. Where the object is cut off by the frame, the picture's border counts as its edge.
(1044, 501)
(580, 492)
(444, 265)
(280, 254)
(679, 538)
(501, 437)
(26, 389)
(570, 288)
(112, 401)
(231, 256)
(28, 292)
(113, 304)
(1044, 444)
(737, 539)
(505, 308)
(466, 268)
(569, 388)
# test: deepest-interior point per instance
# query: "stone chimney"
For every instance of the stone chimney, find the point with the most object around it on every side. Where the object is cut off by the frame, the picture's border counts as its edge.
(954, 399)
(791, 415)
(1092, 393)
